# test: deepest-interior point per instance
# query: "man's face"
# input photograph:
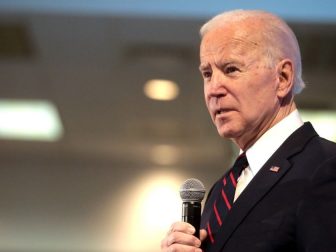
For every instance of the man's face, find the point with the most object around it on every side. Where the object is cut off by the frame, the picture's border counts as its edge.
(239, 89)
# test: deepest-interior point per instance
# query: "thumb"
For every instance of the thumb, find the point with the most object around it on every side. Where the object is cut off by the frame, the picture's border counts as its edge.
(203, 234)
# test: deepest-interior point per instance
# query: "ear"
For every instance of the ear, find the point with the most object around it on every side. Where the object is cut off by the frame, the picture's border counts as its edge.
(285, 75)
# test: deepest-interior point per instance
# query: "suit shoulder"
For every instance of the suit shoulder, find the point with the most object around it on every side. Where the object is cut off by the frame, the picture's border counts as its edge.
(322, 146)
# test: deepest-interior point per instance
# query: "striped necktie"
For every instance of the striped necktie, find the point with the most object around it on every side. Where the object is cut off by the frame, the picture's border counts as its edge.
(224, 200)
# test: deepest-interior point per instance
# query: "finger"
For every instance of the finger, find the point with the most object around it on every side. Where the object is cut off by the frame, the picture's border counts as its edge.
(183, 239)
(177, 238)
(183, 227)
(182, 248)
(203, 234)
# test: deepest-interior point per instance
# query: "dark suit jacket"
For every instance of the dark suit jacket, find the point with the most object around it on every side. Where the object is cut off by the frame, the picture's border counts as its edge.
(293, 209)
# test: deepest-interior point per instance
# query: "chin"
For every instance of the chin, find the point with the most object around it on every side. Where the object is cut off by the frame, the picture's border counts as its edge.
(229, 131)
(226, 133)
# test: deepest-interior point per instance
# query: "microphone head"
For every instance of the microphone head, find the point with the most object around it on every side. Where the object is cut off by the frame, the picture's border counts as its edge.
(192, 190)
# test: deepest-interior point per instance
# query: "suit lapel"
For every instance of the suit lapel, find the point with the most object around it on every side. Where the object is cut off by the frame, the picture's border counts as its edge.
(263, 182)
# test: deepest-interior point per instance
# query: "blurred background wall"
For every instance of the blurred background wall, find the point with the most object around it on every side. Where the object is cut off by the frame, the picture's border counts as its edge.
(108, 179)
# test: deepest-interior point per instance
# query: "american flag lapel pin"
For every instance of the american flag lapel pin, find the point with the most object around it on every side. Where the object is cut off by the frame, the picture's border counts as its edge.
(275, 169)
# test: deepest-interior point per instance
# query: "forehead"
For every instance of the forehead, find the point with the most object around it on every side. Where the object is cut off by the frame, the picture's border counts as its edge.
(235, 39)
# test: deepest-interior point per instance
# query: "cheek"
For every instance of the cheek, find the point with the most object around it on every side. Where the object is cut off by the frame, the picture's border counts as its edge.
(206, 97)
(205, 94)
(256, 103)
(261, 92)
(260, 108)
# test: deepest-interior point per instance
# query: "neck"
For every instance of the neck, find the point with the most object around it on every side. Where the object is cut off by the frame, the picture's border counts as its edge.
(285, 108)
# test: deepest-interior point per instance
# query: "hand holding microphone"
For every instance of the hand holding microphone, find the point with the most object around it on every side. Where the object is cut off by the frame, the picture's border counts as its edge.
(192, 193)
(186, 235)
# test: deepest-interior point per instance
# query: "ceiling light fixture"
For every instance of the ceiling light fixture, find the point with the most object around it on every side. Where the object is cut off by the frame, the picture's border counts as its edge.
(159, 89)
(29, 120)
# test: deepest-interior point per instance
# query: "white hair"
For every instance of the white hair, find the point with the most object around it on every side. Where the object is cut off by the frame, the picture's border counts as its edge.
(280, 41)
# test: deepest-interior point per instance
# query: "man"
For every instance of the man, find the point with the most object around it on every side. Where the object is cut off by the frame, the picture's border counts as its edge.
(285, 199)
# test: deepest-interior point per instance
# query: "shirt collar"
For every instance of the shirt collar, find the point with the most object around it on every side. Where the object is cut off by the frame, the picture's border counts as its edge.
(270, 141)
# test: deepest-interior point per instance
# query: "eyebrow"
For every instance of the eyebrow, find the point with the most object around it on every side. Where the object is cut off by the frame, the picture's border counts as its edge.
(203, 66)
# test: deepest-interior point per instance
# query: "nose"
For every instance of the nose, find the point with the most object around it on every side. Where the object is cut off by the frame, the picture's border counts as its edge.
(215, 88)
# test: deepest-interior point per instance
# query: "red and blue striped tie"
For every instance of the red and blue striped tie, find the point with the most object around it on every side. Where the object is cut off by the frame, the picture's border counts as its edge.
(224, 199)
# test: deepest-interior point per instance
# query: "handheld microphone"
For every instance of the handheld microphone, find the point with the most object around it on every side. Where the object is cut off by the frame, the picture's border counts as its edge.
(192, 192)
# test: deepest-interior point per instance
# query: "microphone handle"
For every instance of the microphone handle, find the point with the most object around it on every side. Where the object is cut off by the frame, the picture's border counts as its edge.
(191, 213)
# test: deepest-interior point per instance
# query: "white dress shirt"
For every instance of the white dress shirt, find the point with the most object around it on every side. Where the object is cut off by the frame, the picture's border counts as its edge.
(266, 146)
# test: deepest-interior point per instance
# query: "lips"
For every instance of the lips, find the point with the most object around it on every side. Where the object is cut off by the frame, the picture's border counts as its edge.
(221, 111)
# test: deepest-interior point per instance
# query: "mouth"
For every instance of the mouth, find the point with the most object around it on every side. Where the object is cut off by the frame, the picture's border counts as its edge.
(221, 111)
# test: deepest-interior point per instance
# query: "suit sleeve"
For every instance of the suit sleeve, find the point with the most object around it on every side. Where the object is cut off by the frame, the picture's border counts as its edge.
(317, 214)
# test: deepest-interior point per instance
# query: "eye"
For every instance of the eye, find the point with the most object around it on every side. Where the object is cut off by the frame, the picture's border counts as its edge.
(231, 69)
(206, 74)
